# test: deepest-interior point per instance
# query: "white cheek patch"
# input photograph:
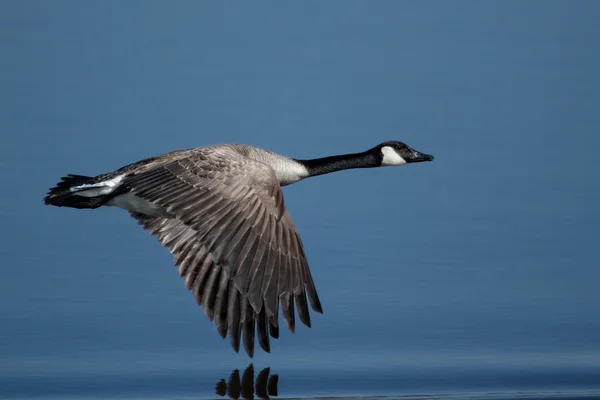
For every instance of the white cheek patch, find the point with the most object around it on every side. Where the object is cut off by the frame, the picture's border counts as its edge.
(391, 157)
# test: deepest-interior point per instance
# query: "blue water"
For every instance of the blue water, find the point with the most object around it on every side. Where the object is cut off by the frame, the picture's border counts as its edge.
(474, 275)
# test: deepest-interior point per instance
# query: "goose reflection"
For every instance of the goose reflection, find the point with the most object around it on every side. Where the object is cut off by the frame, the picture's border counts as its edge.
(235, 388)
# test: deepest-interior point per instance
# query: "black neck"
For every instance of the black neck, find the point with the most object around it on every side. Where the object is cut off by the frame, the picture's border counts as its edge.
(320, 166)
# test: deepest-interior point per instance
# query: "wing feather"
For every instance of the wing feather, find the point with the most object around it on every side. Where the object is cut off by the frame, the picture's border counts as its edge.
(209, 294)
(262, 328)
(221, 304)
(273, 330)
(234, 243)
(233, 318)
(248, 327)
(302, 307)
(287, 308)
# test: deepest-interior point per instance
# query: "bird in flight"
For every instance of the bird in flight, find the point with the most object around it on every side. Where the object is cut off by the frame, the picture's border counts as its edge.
(220, 211)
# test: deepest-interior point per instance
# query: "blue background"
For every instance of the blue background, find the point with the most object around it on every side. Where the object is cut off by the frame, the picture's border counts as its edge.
(477, 272)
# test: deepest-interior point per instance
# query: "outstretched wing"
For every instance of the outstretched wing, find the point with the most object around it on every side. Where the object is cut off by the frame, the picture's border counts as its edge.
(234, 243)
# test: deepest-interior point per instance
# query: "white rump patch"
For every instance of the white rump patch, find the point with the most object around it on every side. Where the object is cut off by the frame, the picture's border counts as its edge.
(391, 157)
(98, 188)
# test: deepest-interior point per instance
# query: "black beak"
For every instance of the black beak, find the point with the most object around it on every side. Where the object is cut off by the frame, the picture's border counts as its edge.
(416, 156)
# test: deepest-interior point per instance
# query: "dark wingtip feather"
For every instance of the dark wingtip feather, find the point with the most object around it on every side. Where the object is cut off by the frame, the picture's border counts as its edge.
(274, 329)
(248, 336)
(210, 292)
(233, 319)
(221, 305)
(222, 329)
(311, 291)
(262, 326)
(302, 307)
(248, 328)
(313, 297)
(287, 308)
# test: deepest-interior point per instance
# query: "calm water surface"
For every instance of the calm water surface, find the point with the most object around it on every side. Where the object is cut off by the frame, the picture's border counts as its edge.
(475, 276)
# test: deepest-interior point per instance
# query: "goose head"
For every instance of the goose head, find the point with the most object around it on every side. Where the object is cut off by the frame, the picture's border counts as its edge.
(394, 153)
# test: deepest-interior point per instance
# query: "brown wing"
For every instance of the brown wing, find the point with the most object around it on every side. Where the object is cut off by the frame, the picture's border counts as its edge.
(235, 244)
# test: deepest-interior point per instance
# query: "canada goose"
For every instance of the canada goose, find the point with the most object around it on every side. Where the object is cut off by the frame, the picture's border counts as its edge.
(220, 211)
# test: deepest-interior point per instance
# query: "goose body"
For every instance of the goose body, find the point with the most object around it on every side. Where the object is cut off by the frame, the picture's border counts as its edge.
(220, 211)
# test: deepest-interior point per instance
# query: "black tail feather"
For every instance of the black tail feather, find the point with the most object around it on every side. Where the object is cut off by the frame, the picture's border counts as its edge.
(61, 195)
